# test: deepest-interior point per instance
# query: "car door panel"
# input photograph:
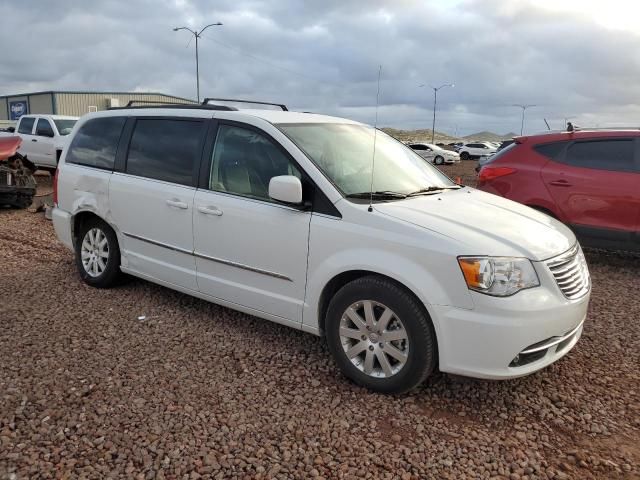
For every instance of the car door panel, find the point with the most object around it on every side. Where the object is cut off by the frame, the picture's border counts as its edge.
(249, 250)
(601, 204)
(155, 222)
(251, 253)
(151, 196)
(594, 196)
(42, 148)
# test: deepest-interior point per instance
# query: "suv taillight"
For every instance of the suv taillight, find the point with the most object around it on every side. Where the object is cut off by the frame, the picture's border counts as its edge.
(488, 173)
(55, 188)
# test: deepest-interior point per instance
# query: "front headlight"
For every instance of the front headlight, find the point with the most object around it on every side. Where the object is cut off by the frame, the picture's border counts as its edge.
(498, 276)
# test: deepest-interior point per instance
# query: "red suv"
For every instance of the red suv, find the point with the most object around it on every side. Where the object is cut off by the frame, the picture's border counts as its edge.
(589, 180)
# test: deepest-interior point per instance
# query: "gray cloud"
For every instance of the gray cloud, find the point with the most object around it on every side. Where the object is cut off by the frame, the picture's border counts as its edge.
(324, 57)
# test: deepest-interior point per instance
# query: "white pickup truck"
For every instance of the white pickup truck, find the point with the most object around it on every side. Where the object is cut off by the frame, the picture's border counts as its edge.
(43, 138)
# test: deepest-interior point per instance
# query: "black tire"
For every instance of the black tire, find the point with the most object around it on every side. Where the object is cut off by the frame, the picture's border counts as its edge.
(23, 200)
(465, 156)
(422, 357)
(438, 160)
(111, 275)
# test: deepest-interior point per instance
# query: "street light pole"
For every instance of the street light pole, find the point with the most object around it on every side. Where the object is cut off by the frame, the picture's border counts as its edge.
(197, 34)
(435, 102)
(523, 107)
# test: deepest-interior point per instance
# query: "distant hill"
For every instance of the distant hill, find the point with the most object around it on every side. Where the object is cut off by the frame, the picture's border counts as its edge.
(423, 135)
(489, 136)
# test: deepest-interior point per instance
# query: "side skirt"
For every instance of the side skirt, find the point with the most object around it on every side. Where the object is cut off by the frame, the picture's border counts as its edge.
(224, 303)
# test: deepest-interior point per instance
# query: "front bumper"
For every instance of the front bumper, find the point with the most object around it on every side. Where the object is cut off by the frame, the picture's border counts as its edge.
(510, 337)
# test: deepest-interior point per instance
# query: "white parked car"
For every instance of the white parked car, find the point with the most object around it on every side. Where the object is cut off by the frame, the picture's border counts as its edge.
(271, 213)
(476, 149)
(43, 138)
(434, 154)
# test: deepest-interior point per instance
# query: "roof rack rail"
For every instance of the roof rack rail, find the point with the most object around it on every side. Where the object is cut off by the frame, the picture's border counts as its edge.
(156, 104)
(235, 100)
(131, 103)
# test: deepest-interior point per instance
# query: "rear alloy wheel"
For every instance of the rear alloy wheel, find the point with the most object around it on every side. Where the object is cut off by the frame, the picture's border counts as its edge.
(438, 160)
(380, 335)
(465, 156)
(98, 254)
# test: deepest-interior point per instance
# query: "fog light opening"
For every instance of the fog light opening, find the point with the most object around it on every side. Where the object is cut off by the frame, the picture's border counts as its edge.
(523, 359)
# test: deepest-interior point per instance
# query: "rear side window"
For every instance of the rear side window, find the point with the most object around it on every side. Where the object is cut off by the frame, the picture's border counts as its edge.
(501, 153)
(550, 150)
(26, 125)
(44, 128)
(612, 154)
(96, 143)
(165, 149)
(418, 147)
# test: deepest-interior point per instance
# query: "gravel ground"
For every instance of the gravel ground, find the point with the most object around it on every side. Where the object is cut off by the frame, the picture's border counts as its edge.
(194, 390)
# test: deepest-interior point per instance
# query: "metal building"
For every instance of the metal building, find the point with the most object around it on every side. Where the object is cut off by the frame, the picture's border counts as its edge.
(74, 103)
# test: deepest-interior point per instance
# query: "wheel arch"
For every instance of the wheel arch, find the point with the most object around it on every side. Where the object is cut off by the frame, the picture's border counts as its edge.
(341, 279)
(82, 216)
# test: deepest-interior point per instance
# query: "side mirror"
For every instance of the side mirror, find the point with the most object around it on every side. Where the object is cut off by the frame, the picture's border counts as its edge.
(286, 189)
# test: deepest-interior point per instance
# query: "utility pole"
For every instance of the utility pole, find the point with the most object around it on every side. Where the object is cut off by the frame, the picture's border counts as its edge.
(523, 107)
(197, 34)
(435, 102)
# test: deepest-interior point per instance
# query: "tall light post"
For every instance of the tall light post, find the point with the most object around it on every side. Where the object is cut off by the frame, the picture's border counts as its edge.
(523, 107)
(197, 34)
(435, 102)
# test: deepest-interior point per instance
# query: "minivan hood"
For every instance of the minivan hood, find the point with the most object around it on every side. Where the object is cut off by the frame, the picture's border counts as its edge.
(484, 223)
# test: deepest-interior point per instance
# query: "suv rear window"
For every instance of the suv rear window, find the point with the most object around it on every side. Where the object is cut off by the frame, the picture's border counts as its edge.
(26, 125)
(550, 150)
(610, 154)
(96, 143)
(165, 149)
(500, 153)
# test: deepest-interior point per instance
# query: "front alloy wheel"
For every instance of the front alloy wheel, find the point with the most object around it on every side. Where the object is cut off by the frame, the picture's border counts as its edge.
(374, 339)
(380, 335)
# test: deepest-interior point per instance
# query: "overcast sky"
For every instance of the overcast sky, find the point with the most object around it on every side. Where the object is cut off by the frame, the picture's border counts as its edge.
(572, 58)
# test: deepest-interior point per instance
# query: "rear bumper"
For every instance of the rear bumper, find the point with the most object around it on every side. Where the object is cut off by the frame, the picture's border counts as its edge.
(62, 226)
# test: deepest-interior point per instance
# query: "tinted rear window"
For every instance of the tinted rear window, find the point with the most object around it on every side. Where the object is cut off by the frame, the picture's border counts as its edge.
(26, 125)
(550, 150)
(96, 143)
(612, 154)
(165, 149)
(501, 153)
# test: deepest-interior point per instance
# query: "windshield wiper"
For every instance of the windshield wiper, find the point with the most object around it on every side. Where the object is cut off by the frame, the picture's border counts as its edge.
(428, 190)
(379, 195)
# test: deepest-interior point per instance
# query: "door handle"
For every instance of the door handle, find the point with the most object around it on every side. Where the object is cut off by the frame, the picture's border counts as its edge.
(560, 183)
(210, 210)
(177, 204)
(34, 139)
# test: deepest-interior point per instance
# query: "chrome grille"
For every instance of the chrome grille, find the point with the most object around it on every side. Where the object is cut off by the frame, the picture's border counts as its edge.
(571, 272)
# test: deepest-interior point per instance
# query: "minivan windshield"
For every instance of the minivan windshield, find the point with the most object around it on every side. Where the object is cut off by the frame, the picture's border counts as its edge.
(344, 153)
(64, 126)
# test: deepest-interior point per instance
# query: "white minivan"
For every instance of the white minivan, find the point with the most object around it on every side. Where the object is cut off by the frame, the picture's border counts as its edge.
(285, 216)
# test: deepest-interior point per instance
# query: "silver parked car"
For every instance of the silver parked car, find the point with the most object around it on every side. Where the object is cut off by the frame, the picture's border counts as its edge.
(434, 153)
